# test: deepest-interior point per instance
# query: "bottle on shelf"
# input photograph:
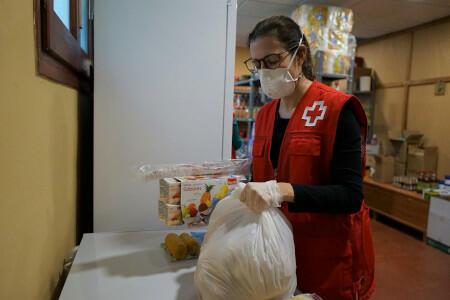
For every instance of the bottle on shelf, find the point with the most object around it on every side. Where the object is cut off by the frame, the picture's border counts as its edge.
(434, 181)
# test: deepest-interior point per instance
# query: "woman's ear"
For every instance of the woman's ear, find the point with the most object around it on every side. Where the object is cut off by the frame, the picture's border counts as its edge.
(301, 55)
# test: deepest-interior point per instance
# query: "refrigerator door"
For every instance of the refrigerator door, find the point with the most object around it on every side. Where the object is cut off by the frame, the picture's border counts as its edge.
(163, 94)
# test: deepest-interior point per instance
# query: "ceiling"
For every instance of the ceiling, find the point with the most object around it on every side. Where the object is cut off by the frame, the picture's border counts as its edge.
(372, 17)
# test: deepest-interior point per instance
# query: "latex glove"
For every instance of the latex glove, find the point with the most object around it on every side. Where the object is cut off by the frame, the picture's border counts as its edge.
(260, 195)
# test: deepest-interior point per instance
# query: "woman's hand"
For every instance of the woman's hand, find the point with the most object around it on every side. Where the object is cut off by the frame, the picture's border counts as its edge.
(260, 195)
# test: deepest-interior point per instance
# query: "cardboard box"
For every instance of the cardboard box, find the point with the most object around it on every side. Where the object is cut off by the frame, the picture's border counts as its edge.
(399, 168)
(439, 220)
(421, 159)
(373, 149)
(340, 85)
(401, 144)
(384, 168)
(358, 72)
(169, 193)
(172, 215)
(199, 194)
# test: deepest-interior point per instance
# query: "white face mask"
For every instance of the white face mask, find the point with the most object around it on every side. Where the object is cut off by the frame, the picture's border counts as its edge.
(278, 83)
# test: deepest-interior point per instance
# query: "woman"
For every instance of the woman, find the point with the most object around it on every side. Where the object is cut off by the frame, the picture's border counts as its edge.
(311, 141)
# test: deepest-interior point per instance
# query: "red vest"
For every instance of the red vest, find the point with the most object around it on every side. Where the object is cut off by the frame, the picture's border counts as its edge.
(334, 252)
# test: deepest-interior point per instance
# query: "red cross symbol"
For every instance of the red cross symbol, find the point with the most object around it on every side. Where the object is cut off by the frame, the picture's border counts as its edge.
(314, 113)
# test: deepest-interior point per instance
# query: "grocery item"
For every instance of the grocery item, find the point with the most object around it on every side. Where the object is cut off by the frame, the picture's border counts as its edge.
(162, 210)
(192, 245)
(337, 18)
(332, 63)
(224, 167)
(340, 18)
(172, 214)
(447, 180)
(306, 297)
(175, 246)
(184, 246)
(198, 194)
(328, 31)
(170, 191)
(246, 255)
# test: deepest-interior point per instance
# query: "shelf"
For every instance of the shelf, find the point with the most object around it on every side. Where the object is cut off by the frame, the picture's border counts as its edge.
(362, 92)
(406, 207)
(393, 188)
(331, 76)
(241, 92)
(245, 82)
(245, 119)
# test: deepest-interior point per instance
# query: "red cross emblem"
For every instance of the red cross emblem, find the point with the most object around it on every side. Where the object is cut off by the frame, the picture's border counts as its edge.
(314, 113)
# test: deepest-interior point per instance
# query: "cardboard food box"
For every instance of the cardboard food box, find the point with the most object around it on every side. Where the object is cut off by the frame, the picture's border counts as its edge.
(169, 193)
(400, 144)
(384, 168)
(199, 195)
(172, 214)
(421, 159)
(399, 168)
(340, 85)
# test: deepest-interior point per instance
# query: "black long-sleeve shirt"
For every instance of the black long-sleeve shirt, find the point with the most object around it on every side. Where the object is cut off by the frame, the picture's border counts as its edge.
(344, 193)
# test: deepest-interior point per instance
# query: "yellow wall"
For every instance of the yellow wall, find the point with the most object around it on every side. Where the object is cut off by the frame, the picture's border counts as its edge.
(242, 53)
(421, 54)
(38, 152)
(430, 114)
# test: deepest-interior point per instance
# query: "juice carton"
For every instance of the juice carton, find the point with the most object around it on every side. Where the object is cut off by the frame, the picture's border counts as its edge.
(199, 195)
(169, 193)
(172, 214)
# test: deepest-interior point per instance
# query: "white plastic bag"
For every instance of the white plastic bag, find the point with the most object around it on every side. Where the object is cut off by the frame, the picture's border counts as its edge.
(246, 255)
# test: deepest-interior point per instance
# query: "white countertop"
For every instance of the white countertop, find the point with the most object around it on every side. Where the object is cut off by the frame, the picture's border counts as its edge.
(128, 266)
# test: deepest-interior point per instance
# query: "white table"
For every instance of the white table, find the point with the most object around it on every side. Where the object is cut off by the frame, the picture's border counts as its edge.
(128, 266)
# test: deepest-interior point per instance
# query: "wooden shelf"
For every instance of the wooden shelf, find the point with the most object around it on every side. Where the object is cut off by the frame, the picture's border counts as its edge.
(393, 188)
(406, 207)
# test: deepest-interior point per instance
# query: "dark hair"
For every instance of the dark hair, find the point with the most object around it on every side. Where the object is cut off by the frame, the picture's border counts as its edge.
(288, 33)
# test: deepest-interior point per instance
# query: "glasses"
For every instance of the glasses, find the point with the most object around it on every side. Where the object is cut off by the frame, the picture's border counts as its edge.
(271, 61)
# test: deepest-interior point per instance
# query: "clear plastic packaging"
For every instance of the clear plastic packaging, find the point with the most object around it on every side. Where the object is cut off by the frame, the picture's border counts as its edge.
(332, 63)
(224, 167)
(328, 31)
(246, 255)
(338, 18)
(306, 297)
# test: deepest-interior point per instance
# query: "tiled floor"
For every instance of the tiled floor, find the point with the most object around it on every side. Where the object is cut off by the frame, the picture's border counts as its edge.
(407, 268)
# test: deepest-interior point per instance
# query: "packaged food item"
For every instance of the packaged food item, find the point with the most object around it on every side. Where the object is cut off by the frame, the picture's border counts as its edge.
(170, 191)
(328, 32)
(316, 37)
(184, 246)
(162, 210)
(311, 15)
(192, 245)
(332, 63)
(224, 167)
(338, 18)
(172, 214)
(199, 195)
(175, 246)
